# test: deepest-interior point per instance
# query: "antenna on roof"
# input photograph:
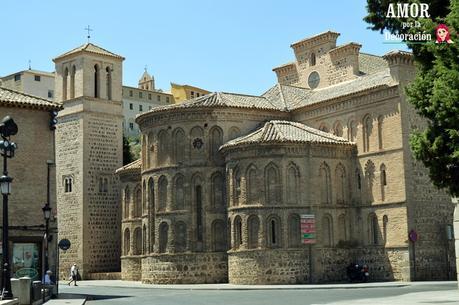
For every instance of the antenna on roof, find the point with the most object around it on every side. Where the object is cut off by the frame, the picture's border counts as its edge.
(30, 65)
(88, 28)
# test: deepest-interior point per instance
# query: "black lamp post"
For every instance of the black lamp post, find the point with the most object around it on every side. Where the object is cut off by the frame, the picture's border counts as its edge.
(7, 129)
(46, 214)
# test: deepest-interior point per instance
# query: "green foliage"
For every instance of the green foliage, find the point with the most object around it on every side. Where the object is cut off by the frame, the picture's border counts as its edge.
(435, 90)
(135, 147)
(127, 155)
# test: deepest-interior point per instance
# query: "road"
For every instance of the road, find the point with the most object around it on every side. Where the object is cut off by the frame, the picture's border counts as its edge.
(415, 293)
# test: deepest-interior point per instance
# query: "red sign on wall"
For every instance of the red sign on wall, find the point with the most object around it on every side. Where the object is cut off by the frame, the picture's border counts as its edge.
(308, 228)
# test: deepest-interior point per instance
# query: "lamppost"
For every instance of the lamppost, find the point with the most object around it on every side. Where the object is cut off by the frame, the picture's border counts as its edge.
(46, 214)
(7, 129)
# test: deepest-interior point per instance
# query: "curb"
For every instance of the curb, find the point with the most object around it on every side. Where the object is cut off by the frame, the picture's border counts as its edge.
(273, 287)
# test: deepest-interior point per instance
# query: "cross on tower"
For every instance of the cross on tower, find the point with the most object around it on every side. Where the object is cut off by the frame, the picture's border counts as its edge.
(146, 67)
(89, 30)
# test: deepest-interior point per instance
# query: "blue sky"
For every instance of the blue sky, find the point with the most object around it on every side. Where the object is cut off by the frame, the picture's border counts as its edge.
(227, 46)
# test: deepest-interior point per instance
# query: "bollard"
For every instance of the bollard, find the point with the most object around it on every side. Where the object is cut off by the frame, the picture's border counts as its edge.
(24, 290)
(36, 290)
(15, 287)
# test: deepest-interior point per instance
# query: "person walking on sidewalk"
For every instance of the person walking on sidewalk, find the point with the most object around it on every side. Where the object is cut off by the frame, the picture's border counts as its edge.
(73, 274)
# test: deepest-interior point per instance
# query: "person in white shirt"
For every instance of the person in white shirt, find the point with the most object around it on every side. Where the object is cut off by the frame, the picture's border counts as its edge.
(73, 274)
(47, 280)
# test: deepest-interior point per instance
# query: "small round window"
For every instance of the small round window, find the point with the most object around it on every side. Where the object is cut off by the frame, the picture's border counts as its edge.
(313, 80)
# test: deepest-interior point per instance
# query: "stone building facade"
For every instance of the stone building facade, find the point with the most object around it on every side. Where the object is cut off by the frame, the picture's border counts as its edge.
(29, 168)
(224, 179)
(88, 151)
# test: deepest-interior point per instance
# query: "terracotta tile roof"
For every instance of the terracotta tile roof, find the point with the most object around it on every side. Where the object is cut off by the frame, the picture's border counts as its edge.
(284, 98)
(223, 100)
(131, 167)
(291, 97)
(11, 98)
(90, 48)
(369, 64)
(286, 132)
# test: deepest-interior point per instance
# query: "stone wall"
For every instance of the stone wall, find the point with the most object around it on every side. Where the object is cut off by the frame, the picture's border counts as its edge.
(280, 266)
(186, 268)
(131, 266)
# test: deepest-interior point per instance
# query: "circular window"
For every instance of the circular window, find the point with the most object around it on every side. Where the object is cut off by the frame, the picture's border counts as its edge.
(313, 80)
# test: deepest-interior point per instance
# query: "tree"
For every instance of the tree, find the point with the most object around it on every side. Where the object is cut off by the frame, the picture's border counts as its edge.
(434, 93)
(127, 155)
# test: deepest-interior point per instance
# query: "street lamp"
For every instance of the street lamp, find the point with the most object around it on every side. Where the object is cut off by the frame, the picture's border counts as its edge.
(8, 128)
(46, 214)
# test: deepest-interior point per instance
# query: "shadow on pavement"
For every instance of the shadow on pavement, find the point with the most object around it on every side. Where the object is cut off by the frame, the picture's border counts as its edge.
(90, 297)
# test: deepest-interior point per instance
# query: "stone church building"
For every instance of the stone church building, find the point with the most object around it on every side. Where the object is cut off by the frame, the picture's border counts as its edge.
(225, 179)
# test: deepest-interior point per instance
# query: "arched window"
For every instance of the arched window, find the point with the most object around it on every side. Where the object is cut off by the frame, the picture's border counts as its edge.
(272, 185)
(234, 132)
(237, 232)
(228, 234)
(340, 179)
(293, 181)
(127, 242)
(126, 202)
(149, 149)
(68, 183)
(327, 230)
(358, 179)
(179, 145)
(137, 241)
(367, 123)
(96, 81)
(252, 187)
(163, 232)
(324, 174)
(385, 223)
(338, 129)
(216, 140)
(236, 186)
(217, 191)
(369, 179)
(138, 202)
(163, 147)
(273, 232)
(198, 204)
(162, 193)
(179, 194)
(144, 239)
(253, 225)
(383, 181)
(380, 132)
(312, 59)
(72, 82)
(294, 233)
(180, 237)
(351, 131)
(151, 195)
(218, 236)
(373, 229)
(64, 84)
(144, 199)
(108, 77)
(343, 230)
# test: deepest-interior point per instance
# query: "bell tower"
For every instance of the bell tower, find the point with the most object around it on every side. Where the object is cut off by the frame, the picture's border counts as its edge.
(88, 151)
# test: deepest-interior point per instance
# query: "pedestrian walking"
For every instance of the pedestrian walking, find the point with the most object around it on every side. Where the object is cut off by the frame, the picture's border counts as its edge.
(73, 274)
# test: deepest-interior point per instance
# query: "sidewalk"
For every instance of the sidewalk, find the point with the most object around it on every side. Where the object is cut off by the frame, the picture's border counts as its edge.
(133, 284)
